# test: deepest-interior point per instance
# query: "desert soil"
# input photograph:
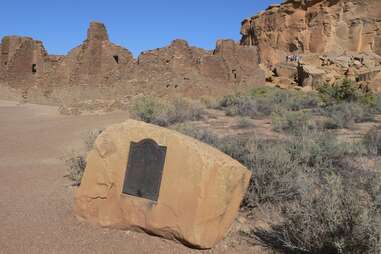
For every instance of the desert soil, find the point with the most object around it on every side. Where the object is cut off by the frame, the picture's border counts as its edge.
(36, 199)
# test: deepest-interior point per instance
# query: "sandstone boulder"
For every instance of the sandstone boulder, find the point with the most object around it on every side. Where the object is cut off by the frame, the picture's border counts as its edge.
(309, 75)
(199, 195)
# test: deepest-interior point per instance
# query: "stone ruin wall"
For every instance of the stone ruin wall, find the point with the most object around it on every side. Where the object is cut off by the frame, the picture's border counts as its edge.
(97, 62)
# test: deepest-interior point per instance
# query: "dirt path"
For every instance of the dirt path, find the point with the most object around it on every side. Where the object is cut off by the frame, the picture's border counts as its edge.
(36, 199)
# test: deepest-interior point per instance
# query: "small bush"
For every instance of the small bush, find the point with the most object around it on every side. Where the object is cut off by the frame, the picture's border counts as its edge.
(90, 137)
(287, 99)
(346, 114)
(76, 164)
(203, 135)
(244, 122)
(290, 121)
(377, 103)
(164, 113)
(345, 91)
(240, 105)
(265, 100)
(372, 141)
(76, 161)
(330, 219)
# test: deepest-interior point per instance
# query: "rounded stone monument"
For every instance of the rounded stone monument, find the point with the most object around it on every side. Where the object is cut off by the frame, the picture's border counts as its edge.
(147, 178)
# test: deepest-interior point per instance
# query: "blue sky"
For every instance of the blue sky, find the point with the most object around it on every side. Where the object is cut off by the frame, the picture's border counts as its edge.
(137, 25)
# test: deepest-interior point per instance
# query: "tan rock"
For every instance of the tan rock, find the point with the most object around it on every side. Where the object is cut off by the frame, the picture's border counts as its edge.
(296, 27)
(200, 192)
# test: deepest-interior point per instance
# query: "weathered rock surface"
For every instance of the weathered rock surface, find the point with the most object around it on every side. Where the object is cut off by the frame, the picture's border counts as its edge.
(314, 26)
(201, 188)
(321, 41)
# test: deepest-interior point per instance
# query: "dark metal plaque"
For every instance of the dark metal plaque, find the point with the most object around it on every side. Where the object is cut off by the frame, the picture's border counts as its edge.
(144, 169)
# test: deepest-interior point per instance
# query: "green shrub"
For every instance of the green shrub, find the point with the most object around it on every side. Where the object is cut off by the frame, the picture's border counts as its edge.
(290, 121)
(346, 114)
(265, 100)
(345, 91)
(164, 113)
(377, 103)
(287, 99)
(148, 109)
(204, 135)
(244, 122)
(240, 105)
(372, 141)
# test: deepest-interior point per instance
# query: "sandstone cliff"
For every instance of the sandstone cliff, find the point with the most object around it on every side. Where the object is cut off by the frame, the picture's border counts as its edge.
(314, 26)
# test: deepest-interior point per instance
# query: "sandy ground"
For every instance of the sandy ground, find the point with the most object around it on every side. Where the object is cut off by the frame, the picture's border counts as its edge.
(36, 200)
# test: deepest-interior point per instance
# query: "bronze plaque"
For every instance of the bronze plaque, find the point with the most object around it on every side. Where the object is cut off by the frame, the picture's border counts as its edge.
(144, 169)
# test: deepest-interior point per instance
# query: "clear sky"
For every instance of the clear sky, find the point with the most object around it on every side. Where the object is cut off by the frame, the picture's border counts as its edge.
(136, 25)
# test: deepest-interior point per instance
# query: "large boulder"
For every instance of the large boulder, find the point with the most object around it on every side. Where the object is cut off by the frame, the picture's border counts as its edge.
(198, 194)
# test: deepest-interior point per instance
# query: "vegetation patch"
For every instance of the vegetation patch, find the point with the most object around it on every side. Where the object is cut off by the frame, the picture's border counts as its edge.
(164, 113)
(76, 160)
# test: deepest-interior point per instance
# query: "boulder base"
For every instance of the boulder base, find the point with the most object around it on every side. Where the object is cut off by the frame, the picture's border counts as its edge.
(200, 192)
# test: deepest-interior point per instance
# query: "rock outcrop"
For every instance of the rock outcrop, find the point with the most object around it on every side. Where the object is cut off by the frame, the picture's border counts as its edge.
(308, 43)
(199, 192)
(314, 26)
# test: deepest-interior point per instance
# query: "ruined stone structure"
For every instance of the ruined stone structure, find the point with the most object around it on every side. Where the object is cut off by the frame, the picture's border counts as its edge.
(96, 61)
(23, 60)
(99, 64)
(317, 26)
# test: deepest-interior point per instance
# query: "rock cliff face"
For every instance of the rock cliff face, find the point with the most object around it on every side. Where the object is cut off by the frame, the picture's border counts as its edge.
(314, 26)
(98, 63)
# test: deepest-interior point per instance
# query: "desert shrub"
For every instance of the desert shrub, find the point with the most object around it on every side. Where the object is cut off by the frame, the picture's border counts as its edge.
(148, 108)
(90, 137)
(265, 100)
(76, 160)
(204, 135)
(76, 167)
(287, 99)
(377, 102)
(346, 114)
(345, 91)
(209, 102)
(164, 113)
(290, 121)
(244, 122)
(239, 105)
(274, 173)
(182, 110)
(372, 141)
(329, 219)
